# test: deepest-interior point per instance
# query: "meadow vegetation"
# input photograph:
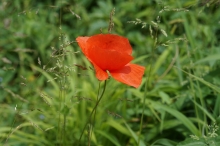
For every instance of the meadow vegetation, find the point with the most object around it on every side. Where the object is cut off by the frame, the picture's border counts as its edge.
(48, 88)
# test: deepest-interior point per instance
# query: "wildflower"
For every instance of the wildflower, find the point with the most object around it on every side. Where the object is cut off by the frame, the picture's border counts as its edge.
(111, 55)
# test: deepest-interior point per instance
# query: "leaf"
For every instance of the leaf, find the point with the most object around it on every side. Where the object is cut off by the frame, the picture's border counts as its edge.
(119, 127)
(212, 57)
(141, 58)
(134, 135)
(165, 97)
(185, 121)
(161, 59)
(204, 111)
(165, 142)
(208, 141)
(217, 89)
(110, 137)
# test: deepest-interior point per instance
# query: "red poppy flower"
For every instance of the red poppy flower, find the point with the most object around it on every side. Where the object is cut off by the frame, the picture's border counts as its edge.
(112, 53)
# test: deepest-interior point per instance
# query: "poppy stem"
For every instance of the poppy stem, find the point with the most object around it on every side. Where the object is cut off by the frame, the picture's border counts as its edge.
(93, 110)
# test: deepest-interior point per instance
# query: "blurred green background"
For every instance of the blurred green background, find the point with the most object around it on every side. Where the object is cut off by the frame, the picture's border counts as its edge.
(47, 89)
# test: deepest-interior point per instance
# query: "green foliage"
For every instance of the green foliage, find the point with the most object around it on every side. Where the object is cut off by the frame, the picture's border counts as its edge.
(48, 88)
(211, 139)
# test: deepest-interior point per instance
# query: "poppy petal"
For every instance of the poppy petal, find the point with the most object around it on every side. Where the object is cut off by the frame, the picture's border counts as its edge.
(100, 74)
(131, 74)
(82, 41)
(111, 42)
(108, 59)
(101, 55)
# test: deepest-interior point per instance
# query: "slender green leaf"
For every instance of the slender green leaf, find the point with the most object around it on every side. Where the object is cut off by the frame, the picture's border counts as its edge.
(134, 135)
(185, 121)
(213, 57)
(110, 137)
(217, 89)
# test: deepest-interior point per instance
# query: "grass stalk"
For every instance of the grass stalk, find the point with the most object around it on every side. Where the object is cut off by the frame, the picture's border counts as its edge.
(146, 87)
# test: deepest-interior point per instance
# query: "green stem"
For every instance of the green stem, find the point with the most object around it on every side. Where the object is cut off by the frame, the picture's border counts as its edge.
(203, 105)
(59, 119)
(93, 121)
(93, 110)
(17, 113)
(64, 115)
(194, 98)
(146, 86)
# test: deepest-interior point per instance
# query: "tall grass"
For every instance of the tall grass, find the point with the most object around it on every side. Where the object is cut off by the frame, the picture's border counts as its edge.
(50, 96)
